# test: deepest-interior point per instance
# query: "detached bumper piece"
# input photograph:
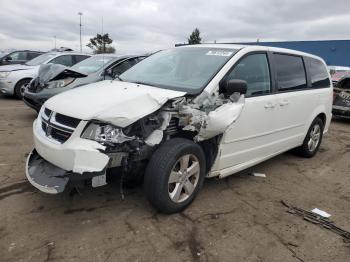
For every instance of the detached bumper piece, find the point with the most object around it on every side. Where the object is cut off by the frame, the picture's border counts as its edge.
(51, 179)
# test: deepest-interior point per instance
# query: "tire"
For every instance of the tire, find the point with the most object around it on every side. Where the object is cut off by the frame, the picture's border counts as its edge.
(172, 156)
(19, 88)
(305, 150)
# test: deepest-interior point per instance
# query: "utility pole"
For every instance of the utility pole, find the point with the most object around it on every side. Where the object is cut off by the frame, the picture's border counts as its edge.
(55, 42)
(80, 14)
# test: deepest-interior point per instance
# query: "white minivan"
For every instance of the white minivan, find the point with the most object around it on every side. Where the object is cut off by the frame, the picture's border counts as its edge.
(181, 115)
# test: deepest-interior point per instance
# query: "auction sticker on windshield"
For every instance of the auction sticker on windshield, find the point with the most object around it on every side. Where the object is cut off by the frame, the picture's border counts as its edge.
(219, 53)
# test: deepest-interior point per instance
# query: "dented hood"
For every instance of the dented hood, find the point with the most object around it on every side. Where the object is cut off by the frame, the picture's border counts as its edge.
(115, 102)
(52, 72)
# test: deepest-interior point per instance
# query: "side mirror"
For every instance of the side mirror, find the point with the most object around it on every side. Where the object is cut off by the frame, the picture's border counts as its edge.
(228, 87)
(109, 72)
(8, 58)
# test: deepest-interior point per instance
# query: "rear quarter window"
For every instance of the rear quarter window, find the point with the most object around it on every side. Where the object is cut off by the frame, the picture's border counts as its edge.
(318, 74)
(290, 72)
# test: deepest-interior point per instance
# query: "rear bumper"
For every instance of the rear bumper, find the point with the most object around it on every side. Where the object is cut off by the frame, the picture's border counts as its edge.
(51, 179)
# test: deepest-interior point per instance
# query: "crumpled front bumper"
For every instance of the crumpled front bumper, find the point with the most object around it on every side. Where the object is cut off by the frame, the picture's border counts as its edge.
(51, 179)
(7, 87)
(77, 155)
(34, 101)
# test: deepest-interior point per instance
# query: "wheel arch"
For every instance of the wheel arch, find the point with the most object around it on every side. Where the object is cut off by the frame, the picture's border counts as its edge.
(210, 146)
(24, 78)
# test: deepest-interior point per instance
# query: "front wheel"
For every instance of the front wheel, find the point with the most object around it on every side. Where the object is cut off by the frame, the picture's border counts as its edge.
(21, 87)
(174, 175)
(313, 139)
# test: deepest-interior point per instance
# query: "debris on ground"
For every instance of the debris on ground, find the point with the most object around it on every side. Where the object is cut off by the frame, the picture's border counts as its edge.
(318, 219)
(258, 175)
(320, 212)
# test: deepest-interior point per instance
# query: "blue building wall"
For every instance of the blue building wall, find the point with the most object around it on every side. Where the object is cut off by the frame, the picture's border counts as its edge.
(334, 52)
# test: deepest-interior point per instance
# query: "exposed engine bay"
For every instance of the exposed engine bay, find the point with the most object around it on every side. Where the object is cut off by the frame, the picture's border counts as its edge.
(177, 118)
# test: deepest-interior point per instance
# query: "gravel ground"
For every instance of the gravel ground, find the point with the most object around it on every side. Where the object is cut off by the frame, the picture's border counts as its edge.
(239, 218)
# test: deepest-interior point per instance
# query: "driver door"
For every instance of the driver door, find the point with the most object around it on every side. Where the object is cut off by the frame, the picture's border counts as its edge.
(251, 136)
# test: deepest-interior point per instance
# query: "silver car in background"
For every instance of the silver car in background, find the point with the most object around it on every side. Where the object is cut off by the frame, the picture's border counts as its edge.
(96, 68)
(14, 78)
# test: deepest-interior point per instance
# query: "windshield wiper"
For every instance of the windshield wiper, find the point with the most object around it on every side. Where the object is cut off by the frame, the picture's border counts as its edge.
(143, 83)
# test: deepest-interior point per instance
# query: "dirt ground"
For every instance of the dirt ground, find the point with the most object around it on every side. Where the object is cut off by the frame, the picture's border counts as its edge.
(239, 218)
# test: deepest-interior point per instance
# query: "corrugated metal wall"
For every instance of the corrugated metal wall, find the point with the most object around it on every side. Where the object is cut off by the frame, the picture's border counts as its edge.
(334, 52)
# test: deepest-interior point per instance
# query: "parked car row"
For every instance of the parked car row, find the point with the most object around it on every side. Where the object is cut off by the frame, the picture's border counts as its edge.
(19, 57)
(175, 117)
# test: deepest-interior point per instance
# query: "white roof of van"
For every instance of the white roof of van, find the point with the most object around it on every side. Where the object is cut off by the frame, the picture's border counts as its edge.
(254, 48)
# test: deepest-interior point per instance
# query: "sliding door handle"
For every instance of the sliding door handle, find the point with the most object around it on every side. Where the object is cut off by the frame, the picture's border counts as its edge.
(270, 105)
(284, 103)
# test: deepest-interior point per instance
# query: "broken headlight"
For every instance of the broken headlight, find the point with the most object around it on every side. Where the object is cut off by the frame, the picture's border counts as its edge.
(105, 134)
(60, 83)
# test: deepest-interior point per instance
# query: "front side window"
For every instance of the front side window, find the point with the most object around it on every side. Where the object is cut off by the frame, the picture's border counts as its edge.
(40, 59)
(92, 64)
(186, 69)
(123, 66)
(290, 72)
(318, 73)
(62, 60)
(254, 69)
(18, 56)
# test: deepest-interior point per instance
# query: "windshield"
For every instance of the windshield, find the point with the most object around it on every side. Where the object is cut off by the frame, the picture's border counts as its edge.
(3, 54)
(40, 59)
(186, 69)
(92, 64)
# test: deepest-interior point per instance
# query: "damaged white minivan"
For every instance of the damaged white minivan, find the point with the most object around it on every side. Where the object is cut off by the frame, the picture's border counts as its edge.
(181, 115)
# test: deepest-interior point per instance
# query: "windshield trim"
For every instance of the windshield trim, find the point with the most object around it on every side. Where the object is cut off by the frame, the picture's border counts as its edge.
(190, 91)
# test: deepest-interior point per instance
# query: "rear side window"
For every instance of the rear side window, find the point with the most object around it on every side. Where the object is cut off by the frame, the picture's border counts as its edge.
(79, 58)
(254, 69)
(31, 55)
(318, 74)
(63, 60)
(290, 72)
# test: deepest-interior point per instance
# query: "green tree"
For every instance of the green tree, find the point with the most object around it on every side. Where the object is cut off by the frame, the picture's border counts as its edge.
(195, 37)
(101, 44)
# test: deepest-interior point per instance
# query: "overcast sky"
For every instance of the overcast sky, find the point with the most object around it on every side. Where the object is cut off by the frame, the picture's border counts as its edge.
(138, 26)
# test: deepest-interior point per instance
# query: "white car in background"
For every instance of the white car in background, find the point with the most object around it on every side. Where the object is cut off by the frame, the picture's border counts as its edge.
(14, 78)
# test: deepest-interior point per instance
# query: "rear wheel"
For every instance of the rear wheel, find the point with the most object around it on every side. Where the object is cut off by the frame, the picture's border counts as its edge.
(20, 88)
(313, 139)
(174, 175)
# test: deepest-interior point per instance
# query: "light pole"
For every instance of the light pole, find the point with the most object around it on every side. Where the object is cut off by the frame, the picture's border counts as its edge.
(80, 14)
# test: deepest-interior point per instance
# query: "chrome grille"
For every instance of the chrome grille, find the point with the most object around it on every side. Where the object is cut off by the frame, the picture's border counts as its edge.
(57, 126)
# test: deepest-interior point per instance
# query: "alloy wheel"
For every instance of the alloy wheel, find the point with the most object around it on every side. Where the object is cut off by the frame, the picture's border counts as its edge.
(183, 178)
